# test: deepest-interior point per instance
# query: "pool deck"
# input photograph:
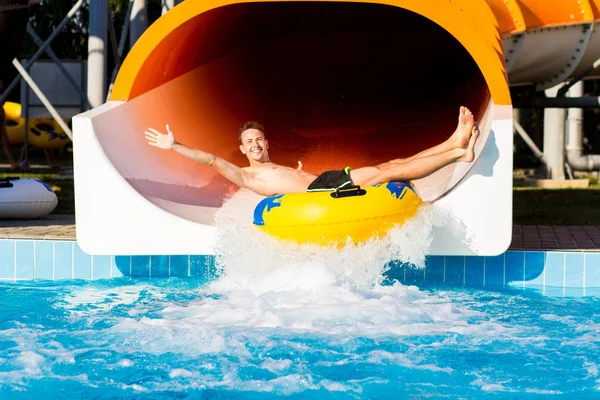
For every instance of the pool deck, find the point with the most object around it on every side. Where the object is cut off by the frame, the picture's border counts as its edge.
(525, 237)
(55, 227)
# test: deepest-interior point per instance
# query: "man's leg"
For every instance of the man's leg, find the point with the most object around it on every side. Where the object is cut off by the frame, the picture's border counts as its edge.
(50, 157)
(460, 138)
(415, 168)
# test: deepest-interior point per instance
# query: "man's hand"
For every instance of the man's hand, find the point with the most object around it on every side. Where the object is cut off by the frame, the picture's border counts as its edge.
(160, 140)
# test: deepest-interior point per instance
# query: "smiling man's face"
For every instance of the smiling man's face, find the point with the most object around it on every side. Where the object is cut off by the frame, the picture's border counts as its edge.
(254, 146)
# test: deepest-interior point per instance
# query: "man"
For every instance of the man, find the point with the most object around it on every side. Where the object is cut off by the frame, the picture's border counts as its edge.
(268, 179)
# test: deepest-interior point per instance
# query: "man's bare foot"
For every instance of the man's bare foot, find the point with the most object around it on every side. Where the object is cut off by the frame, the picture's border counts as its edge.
(470, 150)
(462, 134)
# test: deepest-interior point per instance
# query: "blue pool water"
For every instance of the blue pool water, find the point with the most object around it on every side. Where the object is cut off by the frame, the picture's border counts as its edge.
(173, 338)
(294, 320)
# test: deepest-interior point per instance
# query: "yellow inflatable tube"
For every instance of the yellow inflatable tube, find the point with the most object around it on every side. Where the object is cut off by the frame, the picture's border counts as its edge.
(330, 218)
(43, 132)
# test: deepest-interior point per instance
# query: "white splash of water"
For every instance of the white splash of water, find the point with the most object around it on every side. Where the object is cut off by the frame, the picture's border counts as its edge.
(267, 291)
(247, 254)
(34, 357)
(265, 283)
(102, 300)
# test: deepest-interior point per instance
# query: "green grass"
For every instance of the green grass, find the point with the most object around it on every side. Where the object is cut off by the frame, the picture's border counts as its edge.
(532, 206)
(65, 192)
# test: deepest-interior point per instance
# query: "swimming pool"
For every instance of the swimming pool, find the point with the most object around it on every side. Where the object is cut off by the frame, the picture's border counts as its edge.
(303, 331)
(271, 319)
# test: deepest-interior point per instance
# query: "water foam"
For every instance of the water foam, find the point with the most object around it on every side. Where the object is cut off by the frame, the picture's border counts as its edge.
(265, 283)
(246, 254)
(269, 293)
(285, 319)
(270, 300)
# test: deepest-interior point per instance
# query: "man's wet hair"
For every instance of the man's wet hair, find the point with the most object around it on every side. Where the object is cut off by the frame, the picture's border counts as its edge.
(250, 125)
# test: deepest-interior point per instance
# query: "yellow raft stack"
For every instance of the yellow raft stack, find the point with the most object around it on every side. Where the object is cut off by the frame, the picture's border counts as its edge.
(330, 218)
(43, 132)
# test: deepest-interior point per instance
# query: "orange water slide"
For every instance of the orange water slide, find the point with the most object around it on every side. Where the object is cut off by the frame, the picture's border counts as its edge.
(335, 83)
(547, 42)
(516, 16)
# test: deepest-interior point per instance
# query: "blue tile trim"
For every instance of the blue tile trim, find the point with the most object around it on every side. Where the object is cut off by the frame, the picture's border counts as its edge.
(494, 270)
(44, 260)
(455, 270)
(114, 270)
(574, 270)
(7, 259)
(474, 271)
(202, 267)
(197, 266)
(179, 266)
(515, 267)
(25, 259)
(123, 264)
(101, 267)
(555, 270)
(396, 271)
(83, 264)
(435, 269)
(414, 274)
(534, 268)
(140, 266)
(592, 270)
(551, 271)
(63, 260)
(160, 266)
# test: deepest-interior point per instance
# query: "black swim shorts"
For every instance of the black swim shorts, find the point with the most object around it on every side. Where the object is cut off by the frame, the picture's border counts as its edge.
(331, 180)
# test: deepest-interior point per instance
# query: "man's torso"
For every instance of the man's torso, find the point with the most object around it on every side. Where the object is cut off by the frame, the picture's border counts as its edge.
(271, 179)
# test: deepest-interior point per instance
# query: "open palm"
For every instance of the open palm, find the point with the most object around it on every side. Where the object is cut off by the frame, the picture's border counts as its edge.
(160, 140)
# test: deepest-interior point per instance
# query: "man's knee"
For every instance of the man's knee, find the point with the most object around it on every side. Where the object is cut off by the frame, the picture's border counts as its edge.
(395, 173)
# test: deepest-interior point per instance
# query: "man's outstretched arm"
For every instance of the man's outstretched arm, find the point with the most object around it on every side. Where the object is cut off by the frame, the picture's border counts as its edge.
(225, 168)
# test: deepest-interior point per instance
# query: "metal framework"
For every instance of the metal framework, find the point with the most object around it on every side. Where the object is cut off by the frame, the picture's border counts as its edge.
(96, 84)
(569, 57)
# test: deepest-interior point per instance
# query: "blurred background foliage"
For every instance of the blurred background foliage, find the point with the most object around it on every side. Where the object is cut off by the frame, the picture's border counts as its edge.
(71, 42)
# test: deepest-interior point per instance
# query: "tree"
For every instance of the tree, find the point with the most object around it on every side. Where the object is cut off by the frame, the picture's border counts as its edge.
(71, 42)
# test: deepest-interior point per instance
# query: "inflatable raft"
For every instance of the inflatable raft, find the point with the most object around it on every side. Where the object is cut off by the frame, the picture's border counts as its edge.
(25, 198)
(43, 132)
(331, 218)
